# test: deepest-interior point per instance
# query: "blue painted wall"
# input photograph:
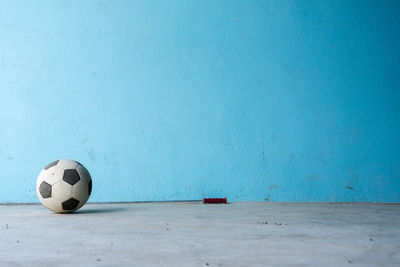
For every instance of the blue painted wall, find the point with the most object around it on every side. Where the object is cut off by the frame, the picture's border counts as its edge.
(176, 100)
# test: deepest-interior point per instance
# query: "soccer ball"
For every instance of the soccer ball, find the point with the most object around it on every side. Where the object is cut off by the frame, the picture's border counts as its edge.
(64, 186)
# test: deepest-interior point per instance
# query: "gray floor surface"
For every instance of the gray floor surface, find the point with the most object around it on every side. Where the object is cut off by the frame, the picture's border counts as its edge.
(193, 234)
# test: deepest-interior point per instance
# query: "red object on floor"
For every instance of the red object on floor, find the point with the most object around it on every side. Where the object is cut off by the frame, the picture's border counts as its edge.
(214, 200)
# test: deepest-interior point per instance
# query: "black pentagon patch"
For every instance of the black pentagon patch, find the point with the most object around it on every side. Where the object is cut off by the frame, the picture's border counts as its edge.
(48, 166)
(90, 187)
(45, 190)
(71, 176)
(70, 204)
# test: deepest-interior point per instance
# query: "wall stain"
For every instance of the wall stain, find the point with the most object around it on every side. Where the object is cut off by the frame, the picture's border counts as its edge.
(2, 52)
(349, 187)
(263, 145)
(353, 179)
(274, 186)
(270, 189)
(315, 177)
(91, 154)
(84, 140)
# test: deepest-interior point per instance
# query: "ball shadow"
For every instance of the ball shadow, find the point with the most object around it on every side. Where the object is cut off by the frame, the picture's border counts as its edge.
(98, 211)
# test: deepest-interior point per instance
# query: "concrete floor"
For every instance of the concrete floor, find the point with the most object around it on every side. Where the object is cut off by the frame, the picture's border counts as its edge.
(188, 234)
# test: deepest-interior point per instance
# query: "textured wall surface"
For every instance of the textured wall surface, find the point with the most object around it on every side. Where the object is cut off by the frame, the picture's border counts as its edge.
(176, 100)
